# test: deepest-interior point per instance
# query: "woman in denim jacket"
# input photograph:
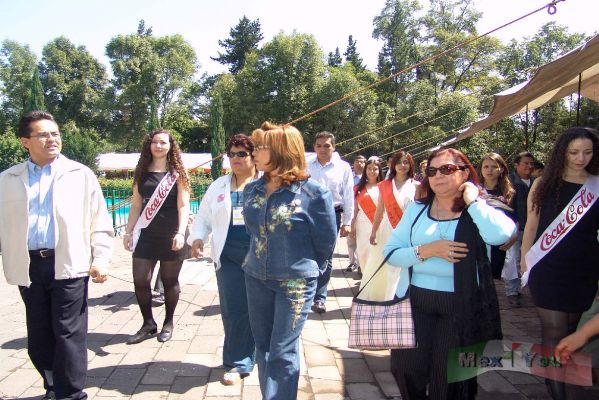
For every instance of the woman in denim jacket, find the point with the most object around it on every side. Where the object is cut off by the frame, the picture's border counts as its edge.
(291, 221)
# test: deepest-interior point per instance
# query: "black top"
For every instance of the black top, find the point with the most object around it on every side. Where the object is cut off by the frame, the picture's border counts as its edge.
(566, 278)
(155, 241)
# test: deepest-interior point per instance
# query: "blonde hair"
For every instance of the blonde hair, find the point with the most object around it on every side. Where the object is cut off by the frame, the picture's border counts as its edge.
(287, 152)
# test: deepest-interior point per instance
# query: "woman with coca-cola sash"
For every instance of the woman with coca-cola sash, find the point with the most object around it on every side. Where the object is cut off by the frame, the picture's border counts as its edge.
(167, 210)
(366, 198)
(560, 251)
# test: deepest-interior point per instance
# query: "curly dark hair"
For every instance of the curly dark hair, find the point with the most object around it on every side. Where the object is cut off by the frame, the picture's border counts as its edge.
(551, 180)
(364, 179)
(397, 158)
(240, 140)
(425, 195)
(173, 159)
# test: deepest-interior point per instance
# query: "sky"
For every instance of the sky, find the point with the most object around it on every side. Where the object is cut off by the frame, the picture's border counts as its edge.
(202, 23)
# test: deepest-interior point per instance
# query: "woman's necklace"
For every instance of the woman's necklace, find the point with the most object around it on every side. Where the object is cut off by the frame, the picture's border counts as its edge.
(444, 224)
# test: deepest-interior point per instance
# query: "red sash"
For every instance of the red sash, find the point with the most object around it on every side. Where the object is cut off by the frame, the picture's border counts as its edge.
(394, 212)
(366, 203)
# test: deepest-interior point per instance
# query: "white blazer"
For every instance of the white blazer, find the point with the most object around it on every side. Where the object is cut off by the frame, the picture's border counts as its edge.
(213, 217)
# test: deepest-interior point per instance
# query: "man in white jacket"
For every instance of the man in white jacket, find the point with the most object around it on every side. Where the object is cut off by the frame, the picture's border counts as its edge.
(55, 232)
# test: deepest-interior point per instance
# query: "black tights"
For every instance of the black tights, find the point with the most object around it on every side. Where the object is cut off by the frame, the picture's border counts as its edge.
(142, 279)
(555, 326)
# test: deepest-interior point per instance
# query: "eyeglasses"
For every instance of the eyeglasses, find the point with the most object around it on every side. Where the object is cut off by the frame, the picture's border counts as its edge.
(240, 154)
(47, 135)
(262, 147)
(446, 169)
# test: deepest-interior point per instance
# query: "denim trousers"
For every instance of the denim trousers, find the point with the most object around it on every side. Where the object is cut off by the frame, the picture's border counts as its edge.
(56, 315)
(511, 267)
(325, 273)
(239, 348)
(278, 311)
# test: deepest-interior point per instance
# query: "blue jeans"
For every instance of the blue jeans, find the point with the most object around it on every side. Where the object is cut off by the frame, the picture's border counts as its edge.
(239, 349)
(278, 311)
(325, 275)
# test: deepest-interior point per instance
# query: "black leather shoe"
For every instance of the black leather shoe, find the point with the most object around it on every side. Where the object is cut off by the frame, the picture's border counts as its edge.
(165, 335)
(319, 307)
(49, 395)
(141, 335)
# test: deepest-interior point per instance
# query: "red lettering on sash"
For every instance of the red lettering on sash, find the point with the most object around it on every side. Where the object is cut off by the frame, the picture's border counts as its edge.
(394, 212)
(575, 209)
(163, 190)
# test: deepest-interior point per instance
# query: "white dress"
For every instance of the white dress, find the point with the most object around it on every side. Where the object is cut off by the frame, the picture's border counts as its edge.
(364, 228)
(382, 287)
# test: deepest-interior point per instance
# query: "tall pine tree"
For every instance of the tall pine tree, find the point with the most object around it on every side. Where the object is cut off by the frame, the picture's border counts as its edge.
(244, 37)
(36, 93)
(217, 136)
(352, 55)
(335, 59)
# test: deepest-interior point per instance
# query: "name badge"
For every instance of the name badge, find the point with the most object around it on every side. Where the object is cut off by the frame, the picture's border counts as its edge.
(238, 216)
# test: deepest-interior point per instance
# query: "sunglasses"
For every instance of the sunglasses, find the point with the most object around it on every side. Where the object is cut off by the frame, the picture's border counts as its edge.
(240, 154)
(446, 169)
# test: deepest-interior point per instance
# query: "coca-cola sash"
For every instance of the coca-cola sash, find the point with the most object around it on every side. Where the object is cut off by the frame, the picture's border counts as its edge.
(366, 204)
(154, 204)
(394, 212)
(574, 211)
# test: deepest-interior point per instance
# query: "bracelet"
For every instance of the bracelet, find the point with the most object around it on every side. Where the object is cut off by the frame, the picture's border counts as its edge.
(417, 254)
(179, 233)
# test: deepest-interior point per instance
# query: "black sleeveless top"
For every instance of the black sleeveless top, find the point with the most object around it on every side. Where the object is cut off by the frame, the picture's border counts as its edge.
(566, 278)
(156, 239)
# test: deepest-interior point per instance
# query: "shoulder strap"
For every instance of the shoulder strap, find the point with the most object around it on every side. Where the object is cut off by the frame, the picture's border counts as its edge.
(377, 270)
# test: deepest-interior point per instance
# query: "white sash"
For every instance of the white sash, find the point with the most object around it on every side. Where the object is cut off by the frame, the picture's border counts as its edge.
(154, 204)
(574, 211)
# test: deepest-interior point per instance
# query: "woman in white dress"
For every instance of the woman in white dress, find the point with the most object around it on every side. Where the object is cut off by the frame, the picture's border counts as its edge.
(395, 193)
(366, 197)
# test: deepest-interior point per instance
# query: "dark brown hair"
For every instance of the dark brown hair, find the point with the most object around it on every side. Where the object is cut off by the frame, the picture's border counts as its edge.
(503, 183)
(24, 129)
(551, 181)
(397, 158)
(173, 159)
(364, 179)
(240, 140)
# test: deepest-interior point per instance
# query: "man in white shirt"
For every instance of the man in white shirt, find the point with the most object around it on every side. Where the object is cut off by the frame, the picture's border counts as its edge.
(333, 173)
(358, 170)
(55, 234)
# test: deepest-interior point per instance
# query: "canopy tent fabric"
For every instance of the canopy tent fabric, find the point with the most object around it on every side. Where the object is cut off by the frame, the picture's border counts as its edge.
(551, 82)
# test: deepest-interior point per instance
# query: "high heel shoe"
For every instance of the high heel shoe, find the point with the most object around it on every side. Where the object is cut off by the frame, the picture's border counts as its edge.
(141, 335)
(165, 335)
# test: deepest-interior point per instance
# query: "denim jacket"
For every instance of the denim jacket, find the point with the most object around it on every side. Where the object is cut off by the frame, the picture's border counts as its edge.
(293, 230)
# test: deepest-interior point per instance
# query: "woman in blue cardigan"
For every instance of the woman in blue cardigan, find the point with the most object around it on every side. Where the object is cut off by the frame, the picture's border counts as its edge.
(441, 240)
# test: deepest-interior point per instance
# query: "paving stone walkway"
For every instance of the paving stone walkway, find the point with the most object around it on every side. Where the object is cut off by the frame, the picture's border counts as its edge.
(189, 366)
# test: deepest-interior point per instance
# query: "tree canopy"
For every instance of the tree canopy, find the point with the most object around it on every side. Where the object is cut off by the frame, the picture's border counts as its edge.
(154, 81)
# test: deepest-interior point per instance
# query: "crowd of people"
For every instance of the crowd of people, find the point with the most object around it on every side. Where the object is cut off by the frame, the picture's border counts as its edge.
(449, 226)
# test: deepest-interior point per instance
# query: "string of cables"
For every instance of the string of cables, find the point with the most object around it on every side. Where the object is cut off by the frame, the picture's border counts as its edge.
(551, 8)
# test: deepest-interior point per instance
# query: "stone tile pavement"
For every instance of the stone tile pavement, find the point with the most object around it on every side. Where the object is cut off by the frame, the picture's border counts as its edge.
(189, 366)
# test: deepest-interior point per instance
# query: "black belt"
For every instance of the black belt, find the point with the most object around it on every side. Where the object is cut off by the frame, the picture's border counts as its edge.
(42, 253)
(338, 209)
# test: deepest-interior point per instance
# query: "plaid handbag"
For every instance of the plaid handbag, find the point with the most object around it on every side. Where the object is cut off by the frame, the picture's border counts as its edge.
(379, 325)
